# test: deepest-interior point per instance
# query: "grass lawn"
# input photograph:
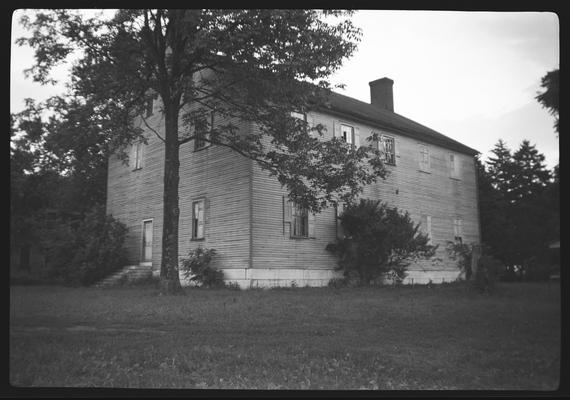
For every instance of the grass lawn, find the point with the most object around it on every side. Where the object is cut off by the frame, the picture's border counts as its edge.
(444, 337)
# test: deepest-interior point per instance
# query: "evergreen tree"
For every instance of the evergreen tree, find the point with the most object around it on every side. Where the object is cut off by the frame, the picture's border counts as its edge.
(518, 204)
(529, 176)
(500, 168)
(496, 228)
(529, 209)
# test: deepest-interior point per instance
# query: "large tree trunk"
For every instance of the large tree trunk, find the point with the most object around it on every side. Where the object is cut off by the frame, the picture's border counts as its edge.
(169, 277)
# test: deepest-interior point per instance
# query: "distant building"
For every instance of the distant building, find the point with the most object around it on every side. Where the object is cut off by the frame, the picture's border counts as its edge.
(228, 203)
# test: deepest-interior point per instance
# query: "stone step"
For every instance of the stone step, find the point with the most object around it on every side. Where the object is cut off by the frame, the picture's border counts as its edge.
(133, 272)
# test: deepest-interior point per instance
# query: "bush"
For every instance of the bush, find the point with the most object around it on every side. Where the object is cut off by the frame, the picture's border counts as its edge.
(338, 283)
(85, 251)
(196, 267)
(379, 240)
(462, 252)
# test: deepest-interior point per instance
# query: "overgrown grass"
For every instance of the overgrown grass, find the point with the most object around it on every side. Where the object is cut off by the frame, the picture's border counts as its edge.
(445, 337)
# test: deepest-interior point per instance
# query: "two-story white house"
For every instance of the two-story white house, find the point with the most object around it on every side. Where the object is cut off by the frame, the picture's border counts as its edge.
(228, 203)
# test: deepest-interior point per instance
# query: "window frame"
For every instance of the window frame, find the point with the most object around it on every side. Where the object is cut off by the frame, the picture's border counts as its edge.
(299, 216)
(149, 108)
(453, 166)
(195, 225)
(424, 149)
(143, 223)
(352, 133)
(381, 147)
(138, 153)
(199, 142)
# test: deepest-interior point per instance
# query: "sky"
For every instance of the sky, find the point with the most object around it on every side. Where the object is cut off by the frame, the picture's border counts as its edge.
(472, 76)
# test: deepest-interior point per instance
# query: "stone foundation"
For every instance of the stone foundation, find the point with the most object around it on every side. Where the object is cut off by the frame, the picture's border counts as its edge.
(247, 278)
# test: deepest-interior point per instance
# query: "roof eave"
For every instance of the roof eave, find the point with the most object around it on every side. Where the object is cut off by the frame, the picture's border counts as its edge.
(414, 135)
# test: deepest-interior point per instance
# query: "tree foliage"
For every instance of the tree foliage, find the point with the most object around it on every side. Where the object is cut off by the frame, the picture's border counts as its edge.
(378, 240)
(519, 205)
(196, 268)
(549, 98)
(254, 66)
(83, 251)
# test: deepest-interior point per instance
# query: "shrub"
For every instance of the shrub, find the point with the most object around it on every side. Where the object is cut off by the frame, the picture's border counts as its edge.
(462, 252)
(86, 250)
(379, 240)
(196, 267)
(338, 283)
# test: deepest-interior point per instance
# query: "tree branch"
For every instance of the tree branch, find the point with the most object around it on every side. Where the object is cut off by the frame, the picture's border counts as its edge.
(152, 129)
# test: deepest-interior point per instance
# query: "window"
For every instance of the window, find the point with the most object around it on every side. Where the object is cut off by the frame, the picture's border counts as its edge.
(424, 158)
(298, 115)
(350, 134)
(387, 146)
(147, 241)
(453, 166)
(426, 223)
(137, 155)
(347, 133)
(300, 220)
(203, 133)
(149, 108)
(458, 230)
(198, 219)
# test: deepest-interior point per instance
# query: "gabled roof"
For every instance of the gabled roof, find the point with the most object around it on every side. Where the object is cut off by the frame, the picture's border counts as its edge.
(385, 119)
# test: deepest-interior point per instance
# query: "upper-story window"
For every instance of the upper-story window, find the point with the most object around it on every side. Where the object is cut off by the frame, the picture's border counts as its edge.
(137, 155)
(299, 115)
(453, 166)
(149, 108)
(303, 117)
(387, 146)
(203, 135)
(347, 133)
(424, 158)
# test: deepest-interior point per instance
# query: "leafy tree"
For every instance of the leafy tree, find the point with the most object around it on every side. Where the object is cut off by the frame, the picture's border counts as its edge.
(254, 66)
(86, 250)
(550, 97)
(378, 240)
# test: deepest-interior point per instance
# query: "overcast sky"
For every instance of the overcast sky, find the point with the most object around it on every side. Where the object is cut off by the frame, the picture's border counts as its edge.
(472, 76)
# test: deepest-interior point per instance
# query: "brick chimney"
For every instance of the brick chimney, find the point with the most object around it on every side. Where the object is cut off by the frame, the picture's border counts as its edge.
(381, 94)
